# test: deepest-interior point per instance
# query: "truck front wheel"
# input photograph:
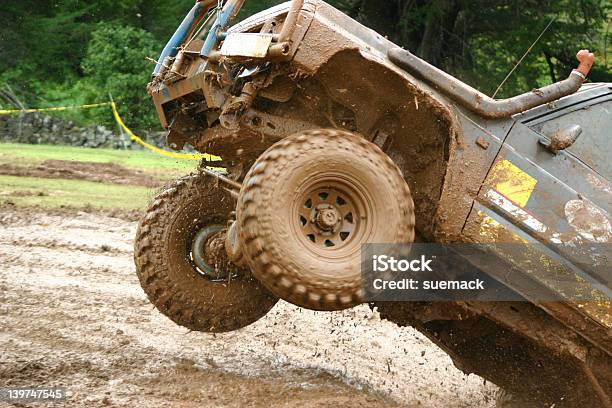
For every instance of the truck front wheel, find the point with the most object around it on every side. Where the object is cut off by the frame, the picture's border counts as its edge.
(306, 207)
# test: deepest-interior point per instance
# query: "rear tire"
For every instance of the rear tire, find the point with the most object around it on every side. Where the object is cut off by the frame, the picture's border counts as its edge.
(167, 270)
(306, 207)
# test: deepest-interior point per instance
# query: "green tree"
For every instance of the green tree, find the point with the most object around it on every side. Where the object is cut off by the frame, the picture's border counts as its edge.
(55, 52)
(115, 63)
(481, 40)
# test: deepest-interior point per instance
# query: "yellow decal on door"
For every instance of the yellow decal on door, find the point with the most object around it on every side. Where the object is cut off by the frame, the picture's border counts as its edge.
(512, 182)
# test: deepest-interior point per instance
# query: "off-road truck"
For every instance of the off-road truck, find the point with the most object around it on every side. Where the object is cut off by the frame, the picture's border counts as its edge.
(331, 136)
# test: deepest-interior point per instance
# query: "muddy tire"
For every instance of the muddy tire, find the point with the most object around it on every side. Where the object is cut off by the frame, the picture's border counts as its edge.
(306, 207)
(503, 399)
(165, 263)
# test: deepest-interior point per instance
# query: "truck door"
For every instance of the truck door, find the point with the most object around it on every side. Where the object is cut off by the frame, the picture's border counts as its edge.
(561, 201)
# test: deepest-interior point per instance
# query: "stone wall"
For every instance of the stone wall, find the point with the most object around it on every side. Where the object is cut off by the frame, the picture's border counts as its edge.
(38, 128)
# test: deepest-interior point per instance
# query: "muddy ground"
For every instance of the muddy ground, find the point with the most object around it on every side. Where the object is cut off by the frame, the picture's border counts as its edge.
(75, 170)
(73, 315)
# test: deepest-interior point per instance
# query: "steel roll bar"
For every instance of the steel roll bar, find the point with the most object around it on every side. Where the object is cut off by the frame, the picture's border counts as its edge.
(184, 30)
(225, 15)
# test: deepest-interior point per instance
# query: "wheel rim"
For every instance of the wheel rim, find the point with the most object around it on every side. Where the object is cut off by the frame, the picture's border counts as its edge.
(331, 216)
(199, 254)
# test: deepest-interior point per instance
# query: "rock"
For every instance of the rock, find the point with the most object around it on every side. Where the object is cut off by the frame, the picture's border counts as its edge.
(38, 128)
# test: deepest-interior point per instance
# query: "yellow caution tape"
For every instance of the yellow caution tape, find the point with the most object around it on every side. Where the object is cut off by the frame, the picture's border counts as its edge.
(135, 138)
(156, 149)
(60, 108)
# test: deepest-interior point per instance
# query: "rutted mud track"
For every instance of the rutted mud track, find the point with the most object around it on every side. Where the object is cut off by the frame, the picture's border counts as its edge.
(75, 170)
(73, 315)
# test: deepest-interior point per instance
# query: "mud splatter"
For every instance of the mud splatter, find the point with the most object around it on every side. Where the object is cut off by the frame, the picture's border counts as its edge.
(590, 222)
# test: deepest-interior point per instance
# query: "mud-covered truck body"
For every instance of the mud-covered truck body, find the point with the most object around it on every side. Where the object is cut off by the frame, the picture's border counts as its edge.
(331, 137)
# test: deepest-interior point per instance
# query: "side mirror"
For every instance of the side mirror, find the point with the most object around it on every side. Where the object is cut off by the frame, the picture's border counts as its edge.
(562, 138)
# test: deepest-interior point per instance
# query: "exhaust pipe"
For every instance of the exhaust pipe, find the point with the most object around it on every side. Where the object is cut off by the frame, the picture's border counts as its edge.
(480, 103)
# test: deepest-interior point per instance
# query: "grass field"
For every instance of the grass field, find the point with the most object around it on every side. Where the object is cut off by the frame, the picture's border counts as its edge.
(30, 155)
(58, 193)
(54, 193)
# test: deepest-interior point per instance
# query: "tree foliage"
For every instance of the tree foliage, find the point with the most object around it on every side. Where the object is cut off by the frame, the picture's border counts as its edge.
(71, 51)
(120, 50)
(481, 40)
